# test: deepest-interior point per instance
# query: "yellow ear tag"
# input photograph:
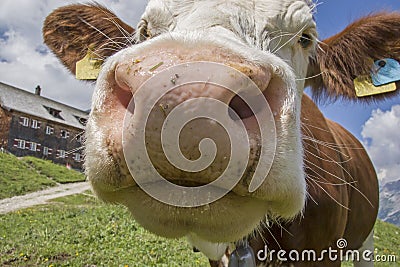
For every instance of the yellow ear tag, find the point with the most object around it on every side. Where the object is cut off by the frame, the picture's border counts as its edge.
(89, 67)
(365, 87)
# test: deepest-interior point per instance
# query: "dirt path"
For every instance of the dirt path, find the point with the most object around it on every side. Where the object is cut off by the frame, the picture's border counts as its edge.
(41, 197)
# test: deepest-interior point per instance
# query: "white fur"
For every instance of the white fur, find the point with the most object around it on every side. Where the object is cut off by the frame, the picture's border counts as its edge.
(213, 251)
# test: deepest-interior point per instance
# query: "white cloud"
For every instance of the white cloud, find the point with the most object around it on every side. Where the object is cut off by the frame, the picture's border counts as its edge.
(25, 61)
(381, 135)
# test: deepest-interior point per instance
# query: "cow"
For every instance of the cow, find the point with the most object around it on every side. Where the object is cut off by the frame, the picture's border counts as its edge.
(320, 186)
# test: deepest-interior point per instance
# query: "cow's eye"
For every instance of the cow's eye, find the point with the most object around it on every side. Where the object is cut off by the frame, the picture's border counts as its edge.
(143, 29)
(305, 40)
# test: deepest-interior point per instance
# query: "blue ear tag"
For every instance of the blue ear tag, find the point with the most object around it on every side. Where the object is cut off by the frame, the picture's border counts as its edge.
(385, 71)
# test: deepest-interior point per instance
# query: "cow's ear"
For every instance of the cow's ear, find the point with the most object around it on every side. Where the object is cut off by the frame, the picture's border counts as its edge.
(350, 54)
(71, 30)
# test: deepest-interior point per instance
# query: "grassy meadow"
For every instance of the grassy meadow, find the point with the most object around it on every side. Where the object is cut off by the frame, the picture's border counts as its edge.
(29, 174)
(79, 231)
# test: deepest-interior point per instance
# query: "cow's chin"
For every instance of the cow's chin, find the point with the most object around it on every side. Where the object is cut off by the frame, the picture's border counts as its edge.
(226, 220)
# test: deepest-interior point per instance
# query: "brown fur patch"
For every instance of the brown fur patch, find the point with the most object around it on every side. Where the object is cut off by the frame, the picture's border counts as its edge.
(69, 31)
(345, 56)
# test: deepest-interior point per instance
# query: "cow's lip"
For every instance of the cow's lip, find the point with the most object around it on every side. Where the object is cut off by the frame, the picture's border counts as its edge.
(113, 188)
(183, 183)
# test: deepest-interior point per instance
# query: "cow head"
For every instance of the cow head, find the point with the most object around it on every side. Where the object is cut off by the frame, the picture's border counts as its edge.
(272, 43)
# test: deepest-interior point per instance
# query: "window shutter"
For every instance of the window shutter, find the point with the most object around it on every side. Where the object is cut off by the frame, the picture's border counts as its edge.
(39, 124)
(50, 151)
(16, 141)
(28, 145)
(38, 146)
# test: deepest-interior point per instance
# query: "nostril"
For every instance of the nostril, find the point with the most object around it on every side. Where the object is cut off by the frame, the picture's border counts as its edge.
(123, 96)
(122, 78)
(239, 106)
(121, 90)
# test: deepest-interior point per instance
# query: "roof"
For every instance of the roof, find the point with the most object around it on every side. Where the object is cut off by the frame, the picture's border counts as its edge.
(12, 98)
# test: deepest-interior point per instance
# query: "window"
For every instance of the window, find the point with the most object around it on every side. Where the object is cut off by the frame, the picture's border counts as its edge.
(21, 144)
(24, 121)
(79, 138)
(33, 146)
(49, 130)
(62, 154)
(81, 120)
(54, 112)
(35, 124)
(64, 134)
(47, 151)
(77, 157)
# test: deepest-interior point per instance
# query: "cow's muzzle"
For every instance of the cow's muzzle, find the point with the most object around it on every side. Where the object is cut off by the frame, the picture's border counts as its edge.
(196, 117)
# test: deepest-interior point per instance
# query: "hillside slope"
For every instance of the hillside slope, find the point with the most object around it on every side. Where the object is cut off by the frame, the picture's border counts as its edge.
(29, 174)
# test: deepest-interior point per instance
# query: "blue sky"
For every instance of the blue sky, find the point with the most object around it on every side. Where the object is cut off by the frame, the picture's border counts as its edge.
(331, 18)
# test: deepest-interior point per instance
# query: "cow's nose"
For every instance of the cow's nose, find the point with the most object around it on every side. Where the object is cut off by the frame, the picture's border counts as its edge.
(191, 96)
(134, 71)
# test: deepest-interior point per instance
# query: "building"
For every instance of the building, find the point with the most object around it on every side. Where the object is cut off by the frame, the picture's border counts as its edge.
(32, 125)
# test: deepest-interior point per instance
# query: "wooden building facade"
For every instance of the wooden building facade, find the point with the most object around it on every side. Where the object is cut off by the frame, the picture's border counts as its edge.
(32, 125)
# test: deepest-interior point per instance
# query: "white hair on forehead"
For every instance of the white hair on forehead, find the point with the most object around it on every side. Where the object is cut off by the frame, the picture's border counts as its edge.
(184, 4)
(246, 18)
(172, 6)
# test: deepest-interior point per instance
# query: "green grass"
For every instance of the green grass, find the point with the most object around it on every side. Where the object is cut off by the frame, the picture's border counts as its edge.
(21, 176)
(74, 232)
(16, 178)
(84, 199)
(58, 173)
(386, 242)
(80, 231)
